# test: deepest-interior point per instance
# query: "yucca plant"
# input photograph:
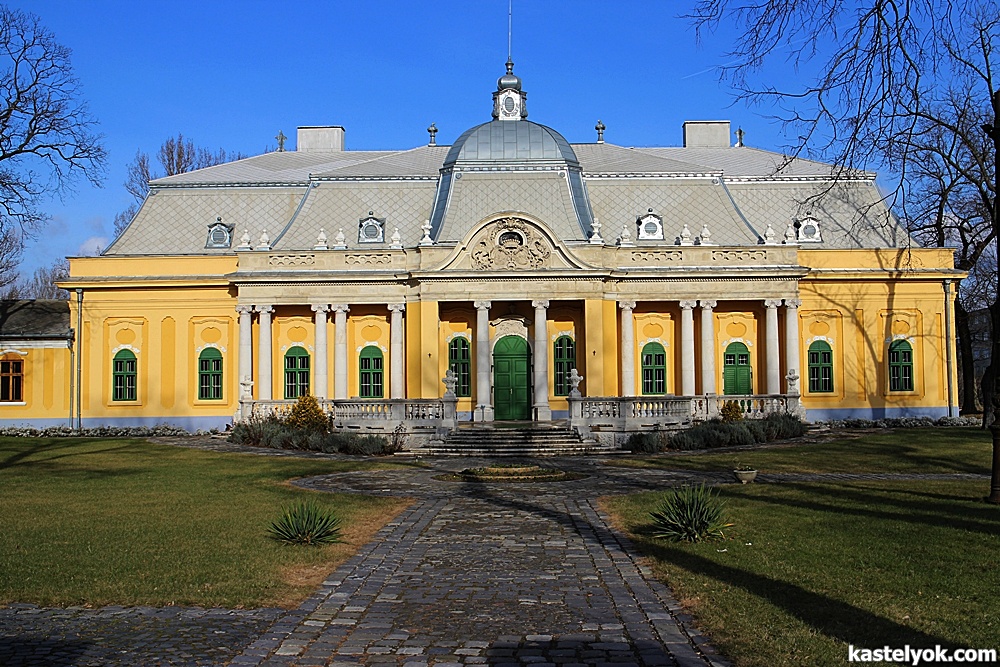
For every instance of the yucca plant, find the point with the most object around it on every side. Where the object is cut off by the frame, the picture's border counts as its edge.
(690, 514)
(306, 523)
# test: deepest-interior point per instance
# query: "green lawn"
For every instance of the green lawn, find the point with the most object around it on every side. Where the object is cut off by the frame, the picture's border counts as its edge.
(918, 450)
(94, 522)
(809, 568)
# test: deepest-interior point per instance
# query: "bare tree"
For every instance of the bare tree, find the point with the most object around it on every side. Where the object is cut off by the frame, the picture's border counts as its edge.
(947, 197)
(176, 155)
(877, 72)
(42, 284)
(47, 135)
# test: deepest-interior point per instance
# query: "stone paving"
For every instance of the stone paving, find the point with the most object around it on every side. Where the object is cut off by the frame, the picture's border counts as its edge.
(515, 574)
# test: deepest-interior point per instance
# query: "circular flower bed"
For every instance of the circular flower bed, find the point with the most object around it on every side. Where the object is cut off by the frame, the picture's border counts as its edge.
(511, 473)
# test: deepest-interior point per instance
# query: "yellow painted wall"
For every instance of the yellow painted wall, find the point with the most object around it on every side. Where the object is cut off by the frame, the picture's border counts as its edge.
(45, 388)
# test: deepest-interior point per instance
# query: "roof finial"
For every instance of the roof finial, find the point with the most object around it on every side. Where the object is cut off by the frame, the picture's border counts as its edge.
(600, 131)
(281, 141)
(739, 137)
(432, 130)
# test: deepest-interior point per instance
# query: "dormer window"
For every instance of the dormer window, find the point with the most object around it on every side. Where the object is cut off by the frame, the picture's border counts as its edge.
(219, 235)
(650, 227)
(371, 229)
(809, 231)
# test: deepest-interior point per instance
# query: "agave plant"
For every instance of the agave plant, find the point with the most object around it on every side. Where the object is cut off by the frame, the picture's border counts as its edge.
(690, 514)
(306, 523)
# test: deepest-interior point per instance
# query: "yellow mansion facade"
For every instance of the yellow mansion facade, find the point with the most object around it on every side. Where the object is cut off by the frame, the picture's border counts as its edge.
(509, 276)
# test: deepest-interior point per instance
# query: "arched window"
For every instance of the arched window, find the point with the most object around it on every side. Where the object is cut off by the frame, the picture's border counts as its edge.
(123, 376)
(458, 361)
(820, 367)
(210, 375)
(296, 372)
(654, 369)
(370, 365)
(11, 379)
(564, 361)
(900, 366)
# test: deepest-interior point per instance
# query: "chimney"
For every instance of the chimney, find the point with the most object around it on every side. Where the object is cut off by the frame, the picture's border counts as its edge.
(706, 134)
(320, 138)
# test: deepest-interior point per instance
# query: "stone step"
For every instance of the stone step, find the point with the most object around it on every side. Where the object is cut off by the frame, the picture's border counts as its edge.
(527, 441)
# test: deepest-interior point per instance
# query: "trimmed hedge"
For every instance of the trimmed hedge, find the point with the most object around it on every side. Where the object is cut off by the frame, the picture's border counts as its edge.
(717, 433)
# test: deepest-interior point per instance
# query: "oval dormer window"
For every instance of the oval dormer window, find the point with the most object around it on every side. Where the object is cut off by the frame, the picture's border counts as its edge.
(510, 240)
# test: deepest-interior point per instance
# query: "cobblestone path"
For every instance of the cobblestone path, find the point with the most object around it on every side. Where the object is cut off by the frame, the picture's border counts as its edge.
(126, 636)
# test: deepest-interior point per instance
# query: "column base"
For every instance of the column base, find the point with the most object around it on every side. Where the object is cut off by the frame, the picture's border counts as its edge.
(542, 413)
(482, 413)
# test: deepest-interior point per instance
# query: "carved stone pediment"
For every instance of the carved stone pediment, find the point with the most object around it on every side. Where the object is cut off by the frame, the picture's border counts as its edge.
(511, 244)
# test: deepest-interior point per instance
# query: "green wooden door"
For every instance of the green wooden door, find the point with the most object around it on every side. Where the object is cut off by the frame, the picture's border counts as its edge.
(511, 391)
(737, 373)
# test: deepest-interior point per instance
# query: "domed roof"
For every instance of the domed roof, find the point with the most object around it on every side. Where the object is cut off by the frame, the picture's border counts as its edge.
(510, 141)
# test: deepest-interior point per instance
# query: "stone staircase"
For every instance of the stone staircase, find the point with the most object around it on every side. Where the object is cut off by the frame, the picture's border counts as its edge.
(524, 439)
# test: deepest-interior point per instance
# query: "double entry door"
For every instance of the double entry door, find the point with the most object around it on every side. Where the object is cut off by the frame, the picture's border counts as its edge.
(511, 379)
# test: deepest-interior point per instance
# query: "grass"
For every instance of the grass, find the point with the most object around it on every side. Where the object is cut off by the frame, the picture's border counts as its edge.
(923, 450)
(95, 522)
(809, 568)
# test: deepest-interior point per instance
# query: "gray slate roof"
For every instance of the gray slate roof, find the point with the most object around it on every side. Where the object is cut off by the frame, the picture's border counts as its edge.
(34, 319)
(736, 192)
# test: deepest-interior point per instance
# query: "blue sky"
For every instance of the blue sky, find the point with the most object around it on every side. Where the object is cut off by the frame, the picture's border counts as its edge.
(231, 74)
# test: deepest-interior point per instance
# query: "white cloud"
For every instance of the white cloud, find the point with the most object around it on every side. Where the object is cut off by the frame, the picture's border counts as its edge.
(92, 246)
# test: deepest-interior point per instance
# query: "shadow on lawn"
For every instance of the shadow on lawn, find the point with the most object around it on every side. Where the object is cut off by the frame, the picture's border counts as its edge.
(833, 618)
(946, 512)
(43, 454)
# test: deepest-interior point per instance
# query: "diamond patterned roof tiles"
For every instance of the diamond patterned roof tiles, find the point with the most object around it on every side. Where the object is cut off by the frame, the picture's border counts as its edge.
(544, 195)
(176, 221)
(340, 205)
(679, 184)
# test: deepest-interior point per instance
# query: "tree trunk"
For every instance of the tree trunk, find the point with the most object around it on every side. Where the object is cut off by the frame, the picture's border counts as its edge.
(966, 359)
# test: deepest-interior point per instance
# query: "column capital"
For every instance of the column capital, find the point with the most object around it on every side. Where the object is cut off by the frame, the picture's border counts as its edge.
(626, 305)
(772, 303)
(483, 305)
(320, 307)
(340, 308)
(708, 305)
(540, 304)
(244, 309)
(688, 305)
(264, 308)
(396, 307)
(793, 303)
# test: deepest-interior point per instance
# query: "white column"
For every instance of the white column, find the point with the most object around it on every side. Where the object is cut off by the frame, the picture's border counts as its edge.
(792, 336)
(340, 311)
(483, 362)
(771, 341)
(246, 343)
(264, 361)
(320, 382)
(396, 388)
(708, 350)
(687, 347)
(628, 349)
(541, 363)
